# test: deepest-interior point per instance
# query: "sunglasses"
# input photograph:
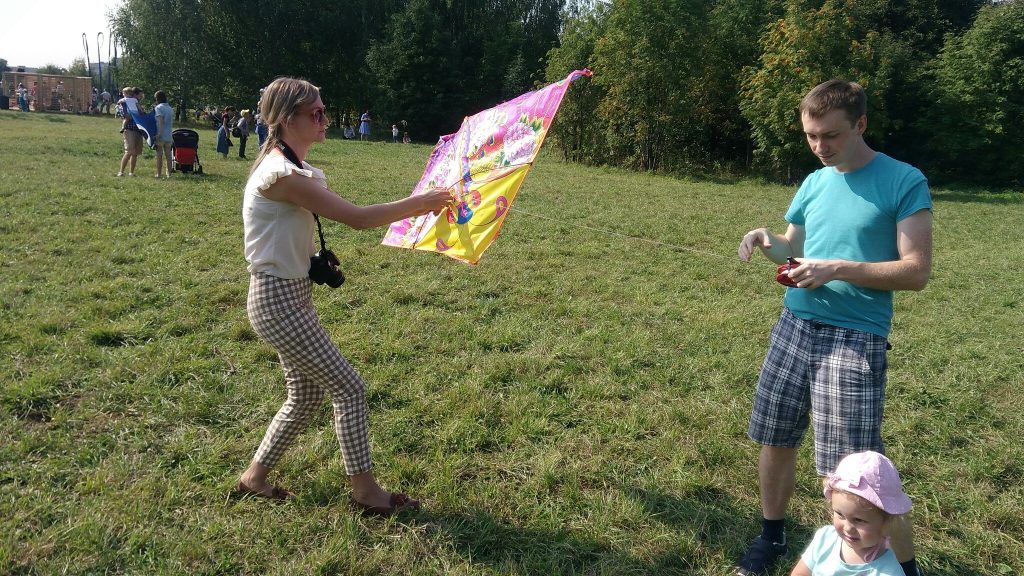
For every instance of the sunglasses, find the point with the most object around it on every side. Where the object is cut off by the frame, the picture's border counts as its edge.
(320, 117)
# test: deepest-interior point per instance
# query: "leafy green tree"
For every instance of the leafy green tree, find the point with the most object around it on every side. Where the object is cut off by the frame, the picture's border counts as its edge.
(78, 67)
(807, 47)
(578, 131)
(440, 60)
(977, 123)
(648, 62)
(911, 34)
(676, 64)
(52, 69)
(166, 47)
(731, 43)
(220, 52)
(415, 72)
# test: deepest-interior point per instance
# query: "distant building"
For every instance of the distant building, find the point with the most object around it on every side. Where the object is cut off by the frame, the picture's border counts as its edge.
(94, 67)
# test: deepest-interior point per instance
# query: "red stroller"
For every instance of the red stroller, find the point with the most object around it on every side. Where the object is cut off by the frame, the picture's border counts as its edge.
(185, 151)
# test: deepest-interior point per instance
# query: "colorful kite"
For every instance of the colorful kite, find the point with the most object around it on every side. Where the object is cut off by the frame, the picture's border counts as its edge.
(483, 165)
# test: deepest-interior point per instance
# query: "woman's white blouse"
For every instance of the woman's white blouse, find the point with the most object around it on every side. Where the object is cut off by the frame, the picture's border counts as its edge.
(278, 235)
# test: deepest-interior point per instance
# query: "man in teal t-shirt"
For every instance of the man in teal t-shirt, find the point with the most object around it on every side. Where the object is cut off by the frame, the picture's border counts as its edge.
(861, 227)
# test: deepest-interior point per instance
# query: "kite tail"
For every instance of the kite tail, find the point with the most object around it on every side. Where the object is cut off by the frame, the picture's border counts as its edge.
(147, 123)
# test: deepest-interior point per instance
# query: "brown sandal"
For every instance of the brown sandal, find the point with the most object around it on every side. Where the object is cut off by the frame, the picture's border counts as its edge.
(275, 493)
(397, 503)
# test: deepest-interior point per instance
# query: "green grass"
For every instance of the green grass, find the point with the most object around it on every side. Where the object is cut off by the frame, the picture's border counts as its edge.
(576, 404)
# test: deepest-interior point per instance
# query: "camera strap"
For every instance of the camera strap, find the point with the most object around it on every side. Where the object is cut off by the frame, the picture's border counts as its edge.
(320, 231)
(294, 159)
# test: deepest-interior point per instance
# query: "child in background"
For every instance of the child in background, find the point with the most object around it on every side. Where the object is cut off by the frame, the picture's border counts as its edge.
(865, 493)
(127, 103)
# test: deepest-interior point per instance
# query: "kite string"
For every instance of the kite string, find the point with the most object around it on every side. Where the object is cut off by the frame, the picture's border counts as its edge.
(621, 235)
(638, 238)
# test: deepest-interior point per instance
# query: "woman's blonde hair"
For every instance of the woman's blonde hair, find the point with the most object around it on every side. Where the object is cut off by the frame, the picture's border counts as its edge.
(280, 102)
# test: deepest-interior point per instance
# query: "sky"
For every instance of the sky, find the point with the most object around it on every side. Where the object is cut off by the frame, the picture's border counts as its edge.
(50, 32)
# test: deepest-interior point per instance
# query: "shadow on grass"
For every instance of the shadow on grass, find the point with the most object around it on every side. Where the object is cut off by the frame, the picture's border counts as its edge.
(482, 538)
(716, 519)
(721, 527)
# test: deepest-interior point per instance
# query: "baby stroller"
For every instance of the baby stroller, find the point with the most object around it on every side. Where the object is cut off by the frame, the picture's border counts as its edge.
(185, 151)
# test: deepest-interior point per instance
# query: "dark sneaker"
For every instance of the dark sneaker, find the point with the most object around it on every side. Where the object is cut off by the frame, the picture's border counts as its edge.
(760, 556)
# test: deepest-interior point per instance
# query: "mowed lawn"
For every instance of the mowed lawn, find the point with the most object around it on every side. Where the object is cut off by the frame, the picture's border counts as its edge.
(576, 404)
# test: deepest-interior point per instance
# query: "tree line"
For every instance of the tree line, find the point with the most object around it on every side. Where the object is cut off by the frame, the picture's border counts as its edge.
(678, 85)
(430, 62)
(681, 84)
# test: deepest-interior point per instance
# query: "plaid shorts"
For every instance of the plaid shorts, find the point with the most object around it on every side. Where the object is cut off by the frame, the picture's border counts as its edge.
(831, 375)
(281, 312)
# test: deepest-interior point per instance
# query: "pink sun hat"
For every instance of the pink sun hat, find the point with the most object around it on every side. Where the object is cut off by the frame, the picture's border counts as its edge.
(873, 477)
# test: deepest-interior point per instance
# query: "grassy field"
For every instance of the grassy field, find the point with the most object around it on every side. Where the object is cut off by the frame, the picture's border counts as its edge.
(576, 404)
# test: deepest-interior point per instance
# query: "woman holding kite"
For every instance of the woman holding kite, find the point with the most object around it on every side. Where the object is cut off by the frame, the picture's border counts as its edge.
(282, 196)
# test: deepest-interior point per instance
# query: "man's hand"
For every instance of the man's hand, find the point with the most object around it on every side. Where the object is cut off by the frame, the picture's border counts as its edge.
(759, 238)
(814, 273)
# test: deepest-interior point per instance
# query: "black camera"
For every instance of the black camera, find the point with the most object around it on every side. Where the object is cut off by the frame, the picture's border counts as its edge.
(323, 269)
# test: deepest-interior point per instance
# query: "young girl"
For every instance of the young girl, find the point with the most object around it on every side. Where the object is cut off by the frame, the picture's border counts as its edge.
(866, 494)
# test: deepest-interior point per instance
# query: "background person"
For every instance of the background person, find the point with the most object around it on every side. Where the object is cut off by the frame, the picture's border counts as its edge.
(261, 126)
(281, 196)
(243, 132)
(260, 129)
(164, 117)
(22, 97)
(138, 94)
(861, 228)
(224, 143)
(364, 126)
(129, 131)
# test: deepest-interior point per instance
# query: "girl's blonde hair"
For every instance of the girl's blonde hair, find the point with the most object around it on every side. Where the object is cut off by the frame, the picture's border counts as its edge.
(281, 101)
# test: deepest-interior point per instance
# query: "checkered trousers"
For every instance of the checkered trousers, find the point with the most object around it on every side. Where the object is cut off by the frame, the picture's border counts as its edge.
(281, 312)
(832, 376)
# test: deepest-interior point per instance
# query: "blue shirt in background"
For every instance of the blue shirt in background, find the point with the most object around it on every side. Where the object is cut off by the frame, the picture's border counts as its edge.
(164, 110)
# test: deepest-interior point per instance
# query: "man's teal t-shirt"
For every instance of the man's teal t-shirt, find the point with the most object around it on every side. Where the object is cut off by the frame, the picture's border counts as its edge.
(853, 216)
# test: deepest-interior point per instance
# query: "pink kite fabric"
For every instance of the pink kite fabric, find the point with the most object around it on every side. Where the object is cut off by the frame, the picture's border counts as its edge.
(483, 165)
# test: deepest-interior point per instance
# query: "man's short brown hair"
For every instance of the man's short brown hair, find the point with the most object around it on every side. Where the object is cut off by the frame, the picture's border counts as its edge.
(835, 94)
